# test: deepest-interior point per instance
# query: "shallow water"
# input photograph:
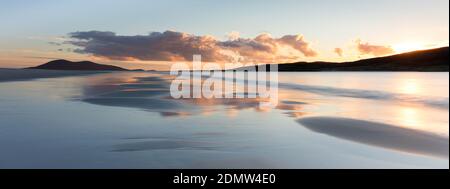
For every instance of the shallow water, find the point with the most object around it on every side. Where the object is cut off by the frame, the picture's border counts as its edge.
(323, 120)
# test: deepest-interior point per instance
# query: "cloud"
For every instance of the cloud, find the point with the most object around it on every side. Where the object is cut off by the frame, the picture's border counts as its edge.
(339, 51)
(179, 46)
(55, 43)
(298, 43)
(234, 35)
(376, 50)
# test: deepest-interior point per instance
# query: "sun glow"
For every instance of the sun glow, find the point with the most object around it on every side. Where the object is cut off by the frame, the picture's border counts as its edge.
(407, 47)
(410, 88)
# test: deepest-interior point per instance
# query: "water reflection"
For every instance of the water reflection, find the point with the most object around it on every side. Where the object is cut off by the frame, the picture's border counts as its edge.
(406, 121)
(128, 120)
(409, 117)
(410, 86)
(152, 93)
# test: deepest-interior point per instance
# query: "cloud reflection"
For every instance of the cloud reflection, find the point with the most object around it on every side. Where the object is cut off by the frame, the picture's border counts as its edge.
(152, 94)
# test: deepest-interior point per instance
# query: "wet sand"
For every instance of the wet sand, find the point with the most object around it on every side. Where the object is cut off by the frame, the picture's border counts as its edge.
(128, 120)
(30, 74)
(379, 134)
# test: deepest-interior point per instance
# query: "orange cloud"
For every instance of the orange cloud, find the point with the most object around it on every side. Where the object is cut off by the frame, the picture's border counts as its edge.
(376, 50)
(179, 46)
(339, 51)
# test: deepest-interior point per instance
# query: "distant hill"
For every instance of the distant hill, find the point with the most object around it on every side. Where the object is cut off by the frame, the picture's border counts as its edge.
(424, 60)
(83, 65)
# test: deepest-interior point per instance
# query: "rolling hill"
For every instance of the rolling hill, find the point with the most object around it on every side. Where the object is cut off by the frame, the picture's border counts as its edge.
(83, 65)
(432, 60)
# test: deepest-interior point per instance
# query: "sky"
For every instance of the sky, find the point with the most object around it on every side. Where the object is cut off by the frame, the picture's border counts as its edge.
(153, 34)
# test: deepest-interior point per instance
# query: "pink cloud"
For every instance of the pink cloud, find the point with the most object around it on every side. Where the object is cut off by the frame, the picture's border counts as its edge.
(339, 51)
(179, 46)
(376, 50)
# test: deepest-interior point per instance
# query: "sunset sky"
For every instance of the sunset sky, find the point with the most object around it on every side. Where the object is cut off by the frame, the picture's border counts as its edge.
(149, 34)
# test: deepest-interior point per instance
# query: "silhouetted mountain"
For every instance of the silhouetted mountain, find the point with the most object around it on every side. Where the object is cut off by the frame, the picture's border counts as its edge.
(138, 70)
(424, 60)
(84, 65)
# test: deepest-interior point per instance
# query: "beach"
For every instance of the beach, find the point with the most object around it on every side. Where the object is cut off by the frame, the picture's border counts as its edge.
(72, 119)
(29, 74)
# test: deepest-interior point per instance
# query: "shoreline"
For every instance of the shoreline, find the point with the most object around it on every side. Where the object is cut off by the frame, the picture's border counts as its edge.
(11, 74)
(20, 74)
